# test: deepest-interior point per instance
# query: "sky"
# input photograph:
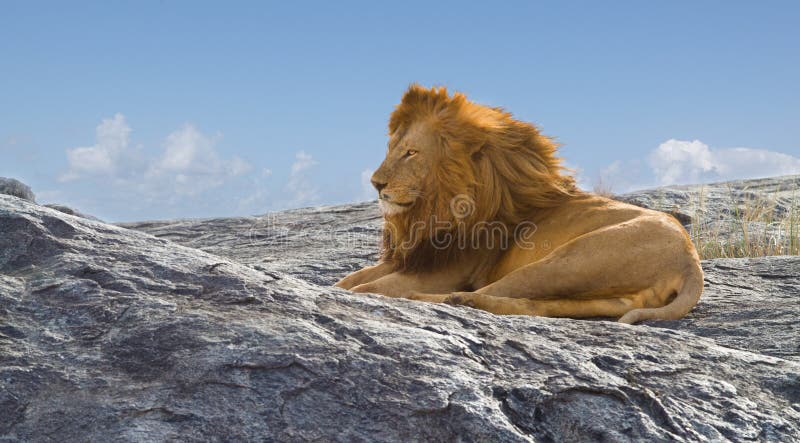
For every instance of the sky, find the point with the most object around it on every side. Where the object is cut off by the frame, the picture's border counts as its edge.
(164, 109)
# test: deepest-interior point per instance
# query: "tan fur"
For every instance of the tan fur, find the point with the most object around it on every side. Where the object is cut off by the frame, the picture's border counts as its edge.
(479, 211)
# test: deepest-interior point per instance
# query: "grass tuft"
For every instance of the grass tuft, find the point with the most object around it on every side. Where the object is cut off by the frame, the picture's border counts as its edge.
(753, 225)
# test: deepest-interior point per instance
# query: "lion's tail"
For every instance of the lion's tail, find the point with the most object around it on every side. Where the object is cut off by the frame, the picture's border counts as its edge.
(687, 297)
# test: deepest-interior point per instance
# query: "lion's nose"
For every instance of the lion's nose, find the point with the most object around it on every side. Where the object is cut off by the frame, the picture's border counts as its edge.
(378, 185)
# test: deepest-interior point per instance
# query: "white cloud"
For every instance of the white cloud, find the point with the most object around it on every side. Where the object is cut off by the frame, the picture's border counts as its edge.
(688, 162)
(112, 139)
(302, 163)
(682, 162)
(299, 185)
(676, 161)
(187, 149)
(752, 163)
(191, 162)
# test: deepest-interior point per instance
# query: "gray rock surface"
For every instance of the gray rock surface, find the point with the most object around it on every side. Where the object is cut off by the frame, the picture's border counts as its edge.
(720, 200)
(319, 245)
(12, 186)
(227, 329)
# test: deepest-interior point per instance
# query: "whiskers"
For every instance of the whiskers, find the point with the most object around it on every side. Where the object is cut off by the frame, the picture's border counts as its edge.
(416, 195)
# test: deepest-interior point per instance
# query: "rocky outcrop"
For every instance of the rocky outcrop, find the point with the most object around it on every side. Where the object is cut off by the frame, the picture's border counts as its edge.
(742, 217)
(12, 186)
(721, 201)
(227, 329)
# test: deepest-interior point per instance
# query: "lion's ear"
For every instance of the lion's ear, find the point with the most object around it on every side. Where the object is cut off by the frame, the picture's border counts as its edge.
(471, 147)
(476, 151)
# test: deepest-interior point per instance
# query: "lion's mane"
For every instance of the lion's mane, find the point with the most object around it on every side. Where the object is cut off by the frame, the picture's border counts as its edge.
(506, 167)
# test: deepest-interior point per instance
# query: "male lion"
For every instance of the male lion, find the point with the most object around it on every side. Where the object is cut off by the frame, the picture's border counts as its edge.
(478, 211)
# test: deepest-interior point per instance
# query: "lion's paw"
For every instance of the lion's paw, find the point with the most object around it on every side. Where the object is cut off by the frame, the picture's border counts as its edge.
(363, 288)
(461, 299)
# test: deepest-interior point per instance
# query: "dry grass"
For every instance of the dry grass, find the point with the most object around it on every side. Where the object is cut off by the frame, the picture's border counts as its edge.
(603, 188)
(753, 227)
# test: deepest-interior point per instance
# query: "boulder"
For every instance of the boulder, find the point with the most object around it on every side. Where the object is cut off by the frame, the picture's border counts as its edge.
(12, 186)
(70, 211)
(228, 329)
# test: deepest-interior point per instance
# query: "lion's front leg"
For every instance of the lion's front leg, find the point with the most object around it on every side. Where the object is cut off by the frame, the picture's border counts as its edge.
(496, 305)
(404, 285)
(430, 298)
(392, 285)
(366, 275)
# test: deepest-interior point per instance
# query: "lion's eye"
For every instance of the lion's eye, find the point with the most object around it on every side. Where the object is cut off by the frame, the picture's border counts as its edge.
(411, 152)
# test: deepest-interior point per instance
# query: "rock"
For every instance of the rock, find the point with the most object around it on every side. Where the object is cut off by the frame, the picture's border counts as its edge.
(11, 186)
(750, 304)
(322, 244)
(315, 244)
(70, 211)
(227, 329)
(721, 201)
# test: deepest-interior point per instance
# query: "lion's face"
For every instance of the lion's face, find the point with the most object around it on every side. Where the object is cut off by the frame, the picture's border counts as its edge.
(405, 174)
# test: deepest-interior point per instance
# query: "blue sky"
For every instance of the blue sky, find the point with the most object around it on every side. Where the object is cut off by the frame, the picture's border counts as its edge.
(151, 110)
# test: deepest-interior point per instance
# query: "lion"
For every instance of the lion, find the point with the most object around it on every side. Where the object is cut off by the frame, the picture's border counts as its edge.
(479, 211)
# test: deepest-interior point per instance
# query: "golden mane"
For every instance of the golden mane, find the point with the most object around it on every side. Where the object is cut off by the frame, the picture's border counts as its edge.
(501, 166)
